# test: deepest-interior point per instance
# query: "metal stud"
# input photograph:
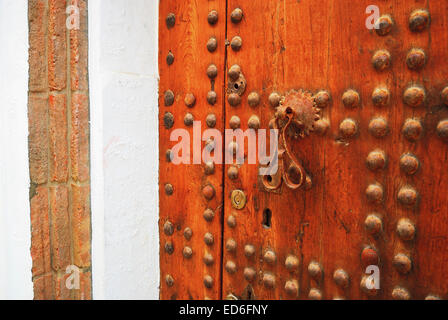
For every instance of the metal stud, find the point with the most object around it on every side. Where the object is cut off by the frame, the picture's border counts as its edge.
(315, 270)
(409, 163)
(380, 97)
(208, 259)
(168, 155)
(373, 224)
(236, 43)
(238, 199)
(211, 120)
(168, 228)
(234, 122)
(212, 44)
(209, 239)
(376, 160)
(412, 129)
(234, 99)
(292, 288)
(210, 144)
(208, 192)
(368, 286)
(168, 120)
(169, 280)
(190, 100)
(188, 119)
(169, 58)
(375, 193)
(292, 263)
(406, 229)
(249, 250)
(348, 128)
(253, 99)
(270, 257)
(444, 95)
(209, 168)
(170, 20)
(169, 98)
(414, 96)
(212, 17)
(407, 196)
(236, 15)
(315, 294)
(234, 72)
(169, 189)
(208, 215)
(169, 248)
(232, 173)
(415, 59)
(208, 281)
(253, 122)
(369, 257)
(402, 263)
(269, 280)
(230, 267)
(383, 25)
(211, 97)
(188, 233)
(419, 20)
(322, 99)
(381, 60)
(231, 245)
(321, 127)
(233, 147)
(249, 274)
(378, 127)
(341, 278)
(187, 252)
(399, 293)
(231, 221)
(442, 129)
(274, 99)
(212, 71)
(350, 99)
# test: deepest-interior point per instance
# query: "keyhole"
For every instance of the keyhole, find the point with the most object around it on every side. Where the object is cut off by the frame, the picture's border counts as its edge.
(267, 215)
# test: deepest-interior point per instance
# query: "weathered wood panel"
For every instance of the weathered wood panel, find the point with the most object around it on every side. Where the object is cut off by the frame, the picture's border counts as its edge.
(187, 41)
(325, 45)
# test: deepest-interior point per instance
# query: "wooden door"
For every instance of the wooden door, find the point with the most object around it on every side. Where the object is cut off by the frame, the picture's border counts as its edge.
(373, 194)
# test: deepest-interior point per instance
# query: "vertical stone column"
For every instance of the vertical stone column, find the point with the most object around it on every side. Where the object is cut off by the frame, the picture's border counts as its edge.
(58, 112)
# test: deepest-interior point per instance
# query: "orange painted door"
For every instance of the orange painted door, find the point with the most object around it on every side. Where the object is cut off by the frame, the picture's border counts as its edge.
(358, 207)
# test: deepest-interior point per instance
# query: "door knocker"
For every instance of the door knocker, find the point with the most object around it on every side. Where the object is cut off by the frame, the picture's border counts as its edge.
(294, 117)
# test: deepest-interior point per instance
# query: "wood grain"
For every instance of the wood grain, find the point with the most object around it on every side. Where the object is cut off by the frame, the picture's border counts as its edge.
(187, 41)
(309, 45)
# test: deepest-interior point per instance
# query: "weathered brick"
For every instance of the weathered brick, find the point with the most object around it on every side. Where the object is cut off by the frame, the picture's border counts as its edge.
(60, 228)
(38, 138)
(79, 50)
(80, 221)
(85, 286)
(79, 140)
(61, 292)
(58, 138)
(40, 232)
(37, 52)
(57, 45)
(43, 287)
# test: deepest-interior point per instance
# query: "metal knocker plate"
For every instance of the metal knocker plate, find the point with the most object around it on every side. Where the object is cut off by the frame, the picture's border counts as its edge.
(295, 118)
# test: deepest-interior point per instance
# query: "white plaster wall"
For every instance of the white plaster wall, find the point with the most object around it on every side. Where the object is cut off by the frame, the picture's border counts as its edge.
(123, 75)
(15, 231)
